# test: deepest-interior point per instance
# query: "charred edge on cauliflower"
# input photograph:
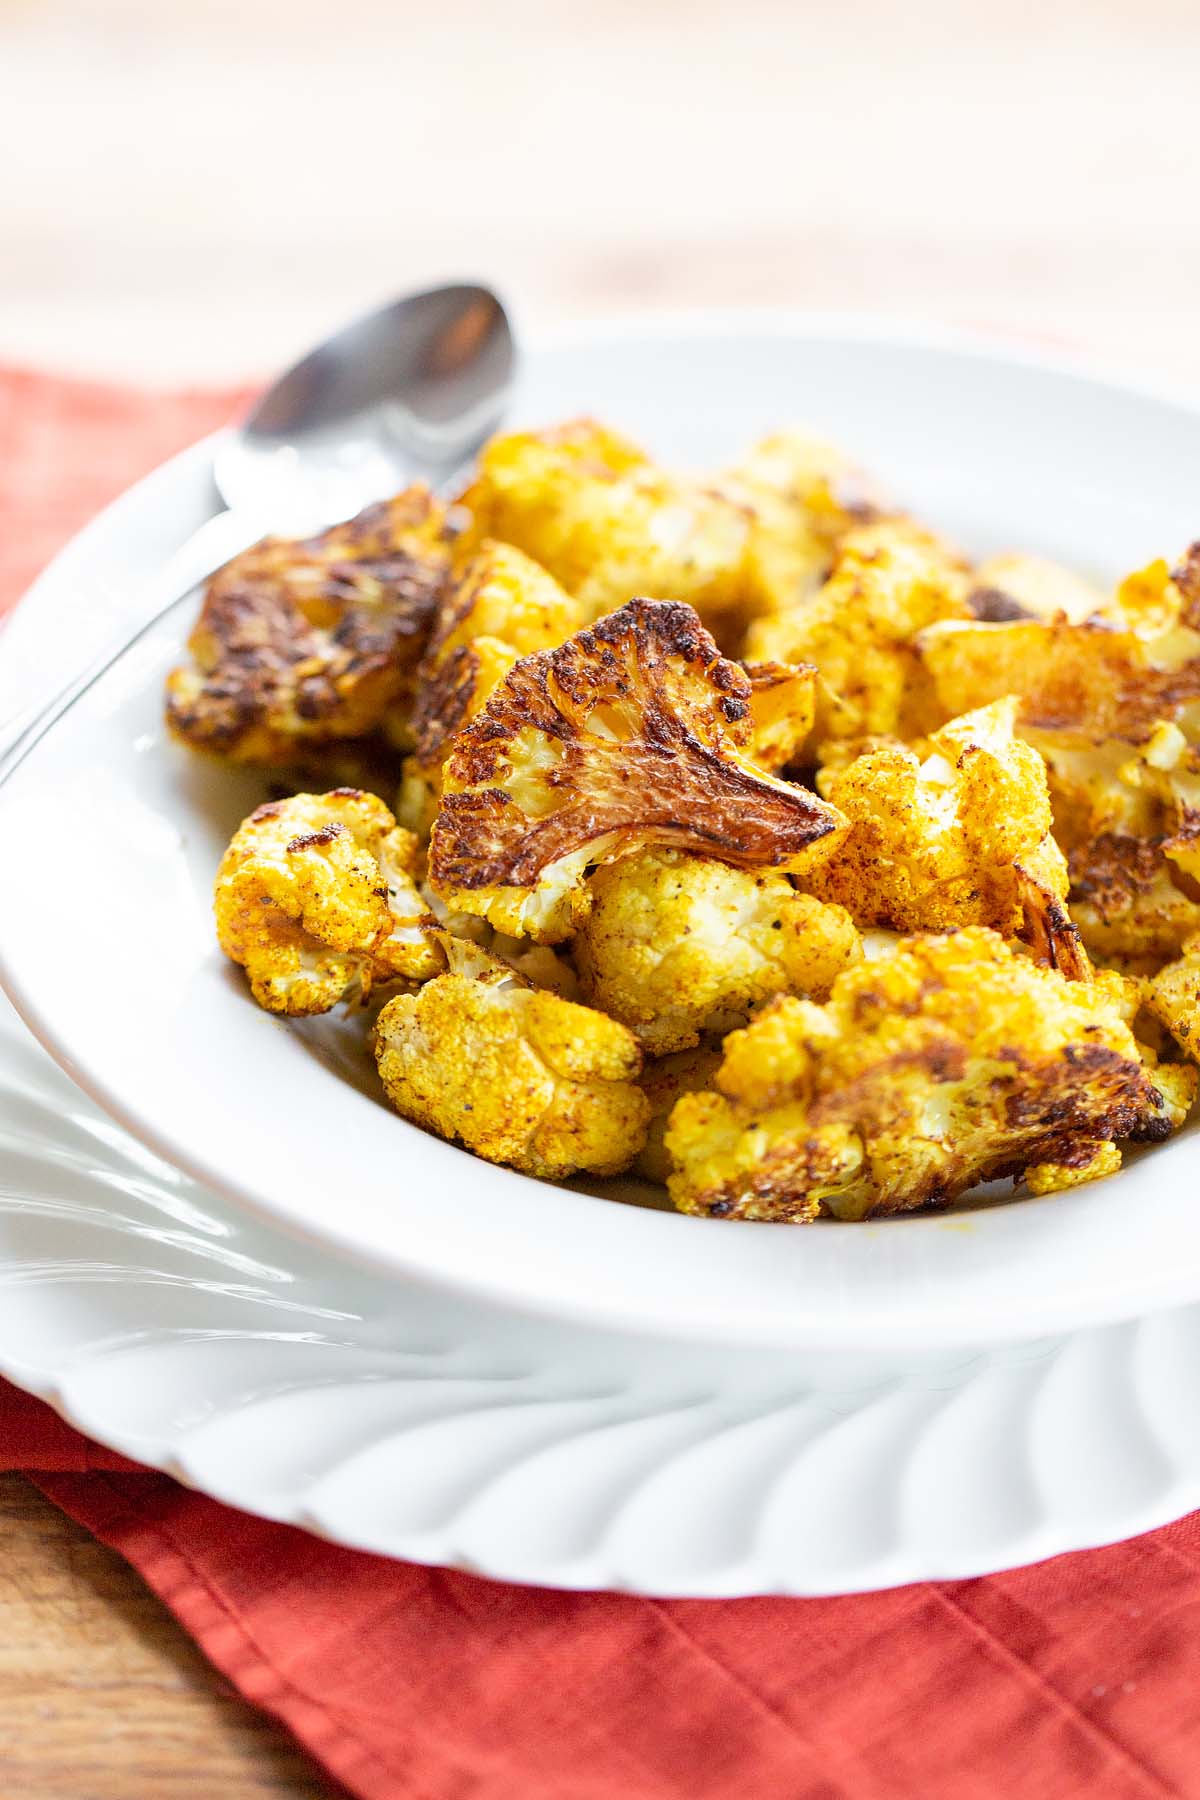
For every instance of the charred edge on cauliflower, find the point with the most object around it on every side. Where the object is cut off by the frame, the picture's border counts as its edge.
(946, 1063)
(672, 777)
(311, 640)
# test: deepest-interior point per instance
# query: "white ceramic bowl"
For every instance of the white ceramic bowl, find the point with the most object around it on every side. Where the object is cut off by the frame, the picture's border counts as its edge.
(111, 835)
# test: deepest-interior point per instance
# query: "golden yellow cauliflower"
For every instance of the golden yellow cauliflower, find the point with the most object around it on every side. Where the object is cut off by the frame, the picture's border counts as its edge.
(501, 607)
(805, 495)
(889, 581)
(1173, 997)
(634, 732)
(303, 643)
(1128, 815)
(783, 710)
(315, 896)
(1113, 675)
(677, 945)
(954, 833)
(947, 1062)
(517, 1075)
(609, 524)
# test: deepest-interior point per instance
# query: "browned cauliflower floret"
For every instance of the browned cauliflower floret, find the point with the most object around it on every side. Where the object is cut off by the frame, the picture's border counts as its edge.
(783, 709)
(1128, 815)
(805, 495)
(889, 581)
(663, 1081)
(519, 1076)
(1173, 997)
(676, 945)
(501, 607)
(1110, 675)
(1015, 586)
(315, 896)
(956, 833)
(634, 732)
(302, 643)
(608, 523)
(947, 1062)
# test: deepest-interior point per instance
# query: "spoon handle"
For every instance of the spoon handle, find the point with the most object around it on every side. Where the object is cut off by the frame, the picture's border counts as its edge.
(209, 547)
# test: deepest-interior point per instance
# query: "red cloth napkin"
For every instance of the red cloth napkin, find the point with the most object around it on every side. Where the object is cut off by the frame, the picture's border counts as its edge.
(1077, 1677)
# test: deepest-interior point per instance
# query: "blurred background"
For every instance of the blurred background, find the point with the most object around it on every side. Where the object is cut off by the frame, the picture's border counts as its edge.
(193, 191)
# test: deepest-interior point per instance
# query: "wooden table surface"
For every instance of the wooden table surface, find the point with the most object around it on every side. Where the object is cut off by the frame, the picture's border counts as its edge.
(200, 189)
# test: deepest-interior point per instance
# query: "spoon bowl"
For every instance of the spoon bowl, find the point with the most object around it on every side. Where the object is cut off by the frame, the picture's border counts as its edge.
(410, 389)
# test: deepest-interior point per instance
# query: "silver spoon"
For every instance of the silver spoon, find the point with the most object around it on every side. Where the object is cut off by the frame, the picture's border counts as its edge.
(411, 390)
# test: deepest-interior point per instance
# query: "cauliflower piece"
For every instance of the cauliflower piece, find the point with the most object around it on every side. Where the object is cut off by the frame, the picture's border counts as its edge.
(303, 643)
(944, 1063)
(501, 607)
(1173, 997)
(1128, 815)
(889, 581)
(1015, 586)
(783, 709)
(676, 945)
(664, 1080)
(315, 896)
(1110, 675)
(634, 732)
(957, 833)
(519, 1076)
(805, 495)
(608, 523)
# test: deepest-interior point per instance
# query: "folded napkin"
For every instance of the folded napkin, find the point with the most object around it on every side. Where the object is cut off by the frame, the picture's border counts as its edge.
(1076, 1677)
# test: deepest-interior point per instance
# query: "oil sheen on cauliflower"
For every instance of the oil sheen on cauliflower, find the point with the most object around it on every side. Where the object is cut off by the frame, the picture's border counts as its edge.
(517, 1075)
(501, 607)
(1108, 675)
(958, 833)
(943, 1063)
(634, 732)
(805, 494)
(303, 643)
(608, 523)
(315, 898)
(890, 580)
(676, 946)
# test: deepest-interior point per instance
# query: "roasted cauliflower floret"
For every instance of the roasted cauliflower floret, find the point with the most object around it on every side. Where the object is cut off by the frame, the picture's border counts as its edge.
(608, 523)
(634, 732)
(677, 945)
(1128, 815)
(889, 581)
(1015, 586)
(315, 897)
(783, 710)
(501, 607)
(517, 1075)
(956, 833)
(663, 1082)
(1109, 675)
(947, 1062)
(302, 643)
(805, 495)
(1173, 997)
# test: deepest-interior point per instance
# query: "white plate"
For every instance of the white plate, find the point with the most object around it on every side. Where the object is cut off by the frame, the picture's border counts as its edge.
(280, 1379)
(112, 835)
